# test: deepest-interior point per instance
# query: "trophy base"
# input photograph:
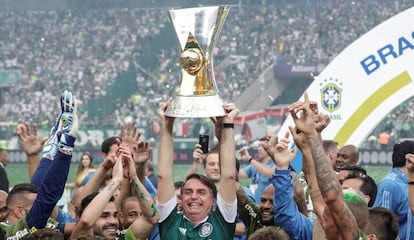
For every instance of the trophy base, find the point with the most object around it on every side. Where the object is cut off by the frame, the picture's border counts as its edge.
(196, 107)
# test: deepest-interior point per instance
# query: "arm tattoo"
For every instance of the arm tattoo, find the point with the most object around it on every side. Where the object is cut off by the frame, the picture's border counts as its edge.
(327, 180)
(329, 184)
(111, 186)
(154, 210)
(142, 196)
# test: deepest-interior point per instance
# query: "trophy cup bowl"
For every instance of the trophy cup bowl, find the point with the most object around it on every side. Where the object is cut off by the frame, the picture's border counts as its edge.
(197, 31)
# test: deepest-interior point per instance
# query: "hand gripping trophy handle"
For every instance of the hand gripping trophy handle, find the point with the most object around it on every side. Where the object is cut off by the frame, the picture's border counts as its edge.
(197, 30)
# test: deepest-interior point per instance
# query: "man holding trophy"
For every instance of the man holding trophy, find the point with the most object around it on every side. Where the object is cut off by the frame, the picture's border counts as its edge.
(202, 215)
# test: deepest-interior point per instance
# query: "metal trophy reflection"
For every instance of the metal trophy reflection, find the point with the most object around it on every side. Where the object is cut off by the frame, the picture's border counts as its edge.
(197, 30)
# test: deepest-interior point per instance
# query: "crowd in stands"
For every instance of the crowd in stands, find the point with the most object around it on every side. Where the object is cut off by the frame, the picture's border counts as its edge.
(87, 50)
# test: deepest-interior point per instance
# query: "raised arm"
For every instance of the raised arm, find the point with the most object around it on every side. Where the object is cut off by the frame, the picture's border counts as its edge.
(59, 148)
(226, 185)
(95, 208)
(286, 213)
(95, 182)
(165, 157)
(32, 146)
(142, 226)
(198, 157)
(308, 169)
(328, 183)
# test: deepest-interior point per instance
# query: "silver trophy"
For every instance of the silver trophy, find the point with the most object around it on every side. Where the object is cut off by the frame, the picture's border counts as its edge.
(197, 30)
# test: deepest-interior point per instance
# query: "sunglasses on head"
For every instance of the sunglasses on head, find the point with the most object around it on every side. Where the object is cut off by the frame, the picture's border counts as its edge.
(344, 156)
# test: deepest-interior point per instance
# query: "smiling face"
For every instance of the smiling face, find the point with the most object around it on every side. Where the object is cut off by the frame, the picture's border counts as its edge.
(212, 168)
(261, 152)
(197, 200)
(131, 211)
(86, 161)
(107, 224)
(266, 206)
(346, 155)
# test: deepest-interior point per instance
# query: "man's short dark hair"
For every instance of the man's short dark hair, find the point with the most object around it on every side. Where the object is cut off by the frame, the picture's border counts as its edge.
(178, 185)
(107, 143)
(20, 189)
(269, 233)
(45, 234)
(354, 169)
(263, 139)
(204, 180)
(368, 186)
(399, 152)
(88, 199)
(328, 145)
(383, 223)
(126, 199)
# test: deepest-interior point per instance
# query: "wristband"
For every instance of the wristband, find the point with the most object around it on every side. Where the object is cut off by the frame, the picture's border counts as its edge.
(411, 183)
(250, 160)
(228, 125)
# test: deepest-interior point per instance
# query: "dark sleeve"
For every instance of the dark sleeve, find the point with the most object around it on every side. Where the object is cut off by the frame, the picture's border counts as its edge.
(4, 181)
(50, 191)
(248, 212)
(41, 171)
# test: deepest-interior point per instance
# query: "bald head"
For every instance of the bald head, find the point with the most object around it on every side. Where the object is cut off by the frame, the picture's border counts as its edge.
(347, 154)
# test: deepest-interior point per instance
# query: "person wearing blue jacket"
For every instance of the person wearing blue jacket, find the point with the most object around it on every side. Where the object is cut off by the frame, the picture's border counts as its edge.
(286, 212)
(393, 190)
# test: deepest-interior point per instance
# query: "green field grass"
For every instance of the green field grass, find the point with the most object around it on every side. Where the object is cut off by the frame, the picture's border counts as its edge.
(18, 173)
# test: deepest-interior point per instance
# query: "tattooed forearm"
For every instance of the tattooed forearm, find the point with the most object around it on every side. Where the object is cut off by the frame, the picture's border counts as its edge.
(111, 186)
(135, 186)
(154, 210)
(332, 192)
(326, 178)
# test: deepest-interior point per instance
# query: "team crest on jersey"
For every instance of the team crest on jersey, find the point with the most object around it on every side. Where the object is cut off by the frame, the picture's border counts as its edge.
(331, 94)
(205, 229)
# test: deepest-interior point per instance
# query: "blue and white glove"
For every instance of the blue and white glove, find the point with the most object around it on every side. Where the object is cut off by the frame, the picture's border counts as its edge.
(67, 105)
(69, 129)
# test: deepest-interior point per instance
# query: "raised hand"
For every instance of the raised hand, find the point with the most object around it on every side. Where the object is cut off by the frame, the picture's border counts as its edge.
(117, 170)
(130, 136)
(198, 154)
(282, 155)
(305, 122)
(30, 142)
(321, 122)
(66, 106)
(142, 152)
(68, 124)
(124, 155)
(231, 112)
(166, 120)
(69, 118)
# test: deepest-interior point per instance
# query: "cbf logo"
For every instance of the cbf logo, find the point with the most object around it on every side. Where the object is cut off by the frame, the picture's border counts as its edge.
(331, 94)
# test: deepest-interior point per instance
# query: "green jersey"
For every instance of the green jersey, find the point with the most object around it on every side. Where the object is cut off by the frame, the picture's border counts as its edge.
(177, 227)
(19, 230)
